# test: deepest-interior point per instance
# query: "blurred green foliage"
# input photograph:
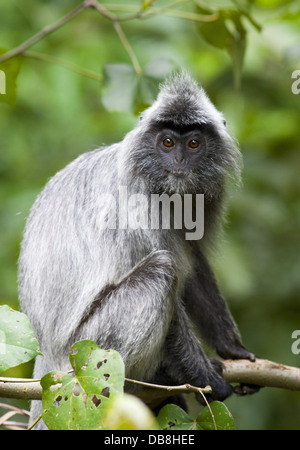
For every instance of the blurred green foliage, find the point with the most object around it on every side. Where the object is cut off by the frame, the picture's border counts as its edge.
(59, 114)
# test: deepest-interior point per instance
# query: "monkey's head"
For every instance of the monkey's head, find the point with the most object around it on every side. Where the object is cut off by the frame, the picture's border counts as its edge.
(181, 143)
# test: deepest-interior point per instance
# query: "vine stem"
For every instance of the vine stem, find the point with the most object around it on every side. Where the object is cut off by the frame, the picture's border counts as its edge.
(35, 422)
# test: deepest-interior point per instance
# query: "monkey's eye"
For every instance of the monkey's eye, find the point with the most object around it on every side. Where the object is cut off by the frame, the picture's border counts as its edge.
(193, 144)
(168, 142)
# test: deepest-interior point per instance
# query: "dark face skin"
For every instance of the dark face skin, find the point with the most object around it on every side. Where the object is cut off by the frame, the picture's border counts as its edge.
(180, 151)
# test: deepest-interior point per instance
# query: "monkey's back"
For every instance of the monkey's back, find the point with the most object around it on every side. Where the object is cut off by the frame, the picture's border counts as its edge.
(65, 257)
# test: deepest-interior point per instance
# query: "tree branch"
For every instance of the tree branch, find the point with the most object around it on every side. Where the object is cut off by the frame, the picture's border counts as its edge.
(261, 372)
(44, 32)
(21, 49)
(94, 4)
(20, 388)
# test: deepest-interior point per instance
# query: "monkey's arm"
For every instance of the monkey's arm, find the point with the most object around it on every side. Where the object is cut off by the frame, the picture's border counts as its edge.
(208, 310)
(185, 362)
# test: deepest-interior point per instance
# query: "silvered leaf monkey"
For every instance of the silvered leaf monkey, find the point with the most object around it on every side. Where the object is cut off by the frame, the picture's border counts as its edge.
(85, 272)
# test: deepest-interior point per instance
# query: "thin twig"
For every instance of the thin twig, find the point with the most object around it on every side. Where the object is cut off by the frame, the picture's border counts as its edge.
(115, 21)
(9, 424)
(211, 413)
(44, 32)
(63, 63)
(13, 425)
(102, 10)
(21, 411)
(7, 416)
(127, 47)
(173, 389)
(21, 49)
(167, 10)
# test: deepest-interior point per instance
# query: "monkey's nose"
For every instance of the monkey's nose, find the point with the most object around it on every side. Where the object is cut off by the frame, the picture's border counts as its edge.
(179, 157)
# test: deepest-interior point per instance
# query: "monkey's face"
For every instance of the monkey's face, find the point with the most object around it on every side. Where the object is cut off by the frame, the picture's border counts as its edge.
(175, 158)
(180, 151)
(181, 145)
(186, 159)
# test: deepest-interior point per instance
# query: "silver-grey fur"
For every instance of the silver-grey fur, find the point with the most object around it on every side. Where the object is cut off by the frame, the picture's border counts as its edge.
(132, 290)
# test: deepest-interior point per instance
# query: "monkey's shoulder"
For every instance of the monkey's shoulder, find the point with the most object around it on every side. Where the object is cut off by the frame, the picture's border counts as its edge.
(85, 170)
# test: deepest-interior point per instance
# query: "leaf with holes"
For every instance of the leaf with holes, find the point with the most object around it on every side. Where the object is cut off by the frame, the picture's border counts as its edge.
(17, 342)
(81, 401)
(172, 417)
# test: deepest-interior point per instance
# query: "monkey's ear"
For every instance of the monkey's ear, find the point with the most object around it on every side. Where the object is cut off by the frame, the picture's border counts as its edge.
(224, 122)
(141, 118)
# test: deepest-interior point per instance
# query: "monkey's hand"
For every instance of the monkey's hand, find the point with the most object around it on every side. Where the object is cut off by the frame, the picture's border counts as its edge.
(240, 389)
(220, 388)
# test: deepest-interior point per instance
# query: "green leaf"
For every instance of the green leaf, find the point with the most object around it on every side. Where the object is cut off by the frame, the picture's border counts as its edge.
(82, 401)
(8, 78)
(227, 33)
(125, 90)
(119, 85)
(217, 34)
(172, 417)
(17, 342)
(222, 416)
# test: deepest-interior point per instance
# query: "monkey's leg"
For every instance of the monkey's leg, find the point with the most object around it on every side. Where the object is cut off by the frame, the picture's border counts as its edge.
(133, 316)
(208, 310)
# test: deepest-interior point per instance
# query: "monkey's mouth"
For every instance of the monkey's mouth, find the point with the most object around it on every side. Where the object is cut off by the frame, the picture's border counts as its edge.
(176, 172)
